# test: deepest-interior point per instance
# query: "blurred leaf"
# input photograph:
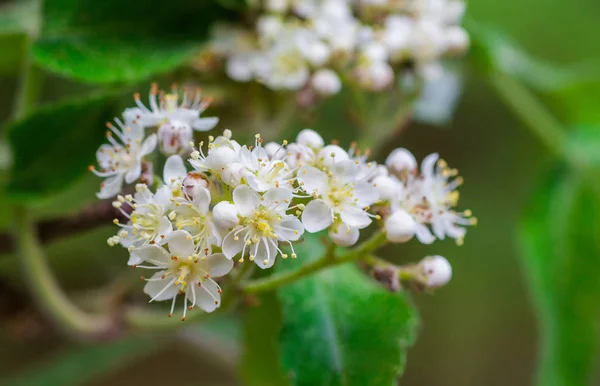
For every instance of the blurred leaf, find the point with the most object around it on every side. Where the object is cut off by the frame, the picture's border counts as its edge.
(114, 41)
(341, 328)
(561, 251)
(17, 21)
(584, 145)
(494, 50)
(577, 103)
(54, 145)
(85, 363)
(261, 364)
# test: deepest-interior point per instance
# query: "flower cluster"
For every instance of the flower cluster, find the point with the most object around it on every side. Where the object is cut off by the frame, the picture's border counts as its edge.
(315, 44)
(226, 201)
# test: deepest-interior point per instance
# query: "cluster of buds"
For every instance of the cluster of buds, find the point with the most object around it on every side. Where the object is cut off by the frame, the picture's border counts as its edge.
(224, 201)
(308, 44)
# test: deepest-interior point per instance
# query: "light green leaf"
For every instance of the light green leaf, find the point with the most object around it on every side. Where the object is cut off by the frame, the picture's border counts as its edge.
(494, 50)
(341, 328)
(260, 364)
(561, 251)
(114, 41)
(53, 146)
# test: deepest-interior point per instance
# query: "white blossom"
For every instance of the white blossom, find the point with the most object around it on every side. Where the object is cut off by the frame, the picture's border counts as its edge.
(121, 160)
(263, 224)
(182, 270)
(437, 271)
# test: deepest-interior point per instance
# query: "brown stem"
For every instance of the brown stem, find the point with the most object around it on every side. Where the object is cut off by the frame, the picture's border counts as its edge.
(92, 217)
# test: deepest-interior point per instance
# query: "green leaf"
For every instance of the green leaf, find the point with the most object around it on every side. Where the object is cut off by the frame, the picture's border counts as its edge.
(493, 50)
(260, 365)
(114, 41)
(85, 363)
(583, 146)
(53, 146)
(341, 328)
(561, 251)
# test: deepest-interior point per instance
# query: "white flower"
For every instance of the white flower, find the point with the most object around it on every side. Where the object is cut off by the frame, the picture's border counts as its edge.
(148, 223)
(175, 137)
(221, 152)
(193, 182)
(336, 196)
(430, 199)
(332, 154)
(166, 110)
(283, 67)
(181, 270)
(343, 235)
(326, 82)
(437, 271)
(387, 186)
(193, 215)
(399, 227)
(260, 172)
(225, 215)
(375, 76)
(263, 224)
(122, 159)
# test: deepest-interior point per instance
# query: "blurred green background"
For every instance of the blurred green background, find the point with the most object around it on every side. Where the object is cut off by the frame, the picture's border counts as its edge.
(479, 330)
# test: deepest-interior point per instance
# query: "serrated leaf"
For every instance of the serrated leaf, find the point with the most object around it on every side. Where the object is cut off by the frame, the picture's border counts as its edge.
(559, 236)
(53, 146)
(341, 328)
(113, 41)
(260, 365)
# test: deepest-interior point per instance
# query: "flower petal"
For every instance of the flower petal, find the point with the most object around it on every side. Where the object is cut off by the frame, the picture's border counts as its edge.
(205, 124)
(155, 287)
(207, 295)
(365, 193)
(133, 174)
(202, 199)
(316, 216)
(312, 180)
(289, 229)
(265, 253)
(180, 244)
(355, 218)
(218, 265)
(231, 246)
(424, 234)
(110, 187)
(245, 200)
(149, 145)
(155, 255)
(278, 199)
(174, 169)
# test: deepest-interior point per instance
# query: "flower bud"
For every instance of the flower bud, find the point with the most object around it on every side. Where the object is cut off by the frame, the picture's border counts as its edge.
(192, 182)
(437, 270)
(225, 215)
(343, 235)
(457, 40)
(376, 76)
(174, 137)
(388, 276)
(332, 154)
(387, 187)
(400, 227)
(310, 138)
(401, 162)
(326, 82)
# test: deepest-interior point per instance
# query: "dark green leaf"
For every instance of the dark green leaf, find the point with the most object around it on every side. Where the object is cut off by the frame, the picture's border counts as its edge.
(341, 328)
(115, 41)
(562, 259)
(54, 145)
(260, 361)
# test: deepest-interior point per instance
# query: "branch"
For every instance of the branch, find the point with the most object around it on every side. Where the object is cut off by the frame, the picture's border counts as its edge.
(90, 218)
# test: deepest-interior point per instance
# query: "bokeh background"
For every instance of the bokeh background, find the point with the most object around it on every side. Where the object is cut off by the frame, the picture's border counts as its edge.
(479, 330)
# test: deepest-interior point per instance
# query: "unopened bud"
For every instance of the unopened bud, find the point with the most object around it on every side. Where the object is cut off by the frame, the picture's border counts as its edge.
(343, 235)
(437, 271)
(225, 215)
(332, 154)
(193, 181)
(387, 187)
(401, 162)
(310, 138)
(400, 227)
